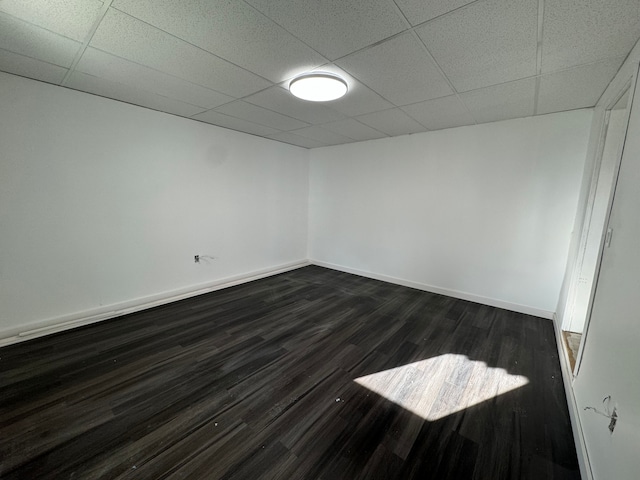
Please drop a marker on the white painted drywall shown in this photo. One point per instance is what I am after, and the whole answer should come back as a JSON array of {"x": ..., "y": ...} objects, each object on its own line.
[
  {"x": 103, "y": 203},
  {"x": 482, "y": 212}
]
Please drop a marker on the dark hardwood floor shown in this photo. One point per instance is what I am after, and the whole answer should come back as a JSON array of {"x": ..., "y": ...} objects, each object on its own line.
[{"x": 311, "y": 374}]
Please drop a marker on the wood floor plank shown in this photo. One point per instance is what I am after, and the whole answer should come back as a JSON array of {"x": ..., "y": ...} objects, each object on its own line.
[{"x": 310, "y": 374}]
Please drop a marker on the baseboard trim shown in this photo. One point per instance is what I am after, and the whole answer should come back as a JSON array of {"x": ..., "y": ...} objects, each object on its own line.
[
  {"x": 572, "y": 404},
  {"x": 514, "y": 307},
  {"x": 78, "y": 319}
]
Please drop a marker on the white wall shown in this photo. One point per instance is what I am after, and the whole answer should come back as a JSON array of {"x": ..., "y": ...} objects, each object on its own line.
[
  {"x": 482, "y": 212},
  {"x": 105, "y": 204}
]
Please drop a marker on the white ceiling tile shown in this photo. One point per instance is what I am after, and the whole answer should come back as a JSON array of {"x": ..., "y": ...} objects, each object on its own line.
[
  {"x": 35, "y": 42},
  {"x": 69, "y": 18},
  {"x": 578, "y": 87},
  {"x": 103, "y": 65},
  {"x": 280, "y": 100},
  {"x": 445, "y": 112},
  {"x": 335, "y": 27},
  {"x": 352, "y": 128},
  {"x": 485, "y": 43},
  {"x": 221, "y": 26},
  {"x": 501, "y": 102},
  {"x": 231, "y": 60},
  {"x": 419, "y": 11},
  {"x": 134, "y": 40},
  {"x": 360, "y": 100},
  {"x": 255, "y": 114},
  {"x": 581, "y": 31},
  {"x": 323, "y": 136},
  {"x": 125, "y": 93},
  {"x": 234, "y": 123},
  {"x": 392, "y": 122},
  {"x": 399, "y": 69},
  {"x": 31, "y": 68},
  {"x": 294, "y": 139}
]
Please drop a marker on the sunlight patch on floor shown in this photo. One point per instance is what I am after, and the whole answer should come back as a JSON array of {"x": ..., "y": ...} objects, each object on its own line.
[{"x": 440, "y": 386}]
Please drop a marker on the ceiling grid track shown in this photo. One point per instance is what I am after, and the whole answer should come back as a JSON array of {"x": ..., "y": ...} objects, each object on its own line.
[
  {"x": 409, "y": 30},
  {"x": 286, "y": 30},
  {"x": 431, "y": 57},
  {"x": 189, "y": 43},
  {"x": 539, "y": 55},
  {"x": 453, "y": 88},
  {"x": 87, "y": 40},
  {"x": 230, "y": 63}
]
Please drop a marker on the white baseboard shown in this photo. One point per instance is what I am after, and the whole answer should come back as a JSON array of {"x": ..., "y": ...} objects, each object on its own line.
[
  {"x": 77, "y": 319},
  {"x": 514, "y": 307},
  {"x": 574, "y": 415}
]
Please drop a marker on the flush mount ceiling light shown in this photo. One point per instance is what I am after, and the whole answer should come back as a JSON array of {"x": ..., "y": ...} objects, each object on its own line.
[{"x": 318, "y": 86}]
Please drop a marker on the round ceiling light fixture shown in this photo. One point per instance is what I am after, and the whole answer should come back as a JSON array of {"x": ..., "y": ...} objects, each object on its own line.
[{"x": 318, "y": 86}]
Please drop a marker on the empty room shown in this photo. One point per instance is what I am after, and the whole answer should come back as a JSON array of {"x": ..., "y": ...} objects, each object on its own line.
[{"x": 319, "y": 239}]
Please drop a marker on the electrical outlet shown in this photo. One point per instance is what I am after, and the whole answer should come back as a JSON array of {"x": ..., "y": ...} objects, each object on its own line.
[{"x": 196, "y": 258}]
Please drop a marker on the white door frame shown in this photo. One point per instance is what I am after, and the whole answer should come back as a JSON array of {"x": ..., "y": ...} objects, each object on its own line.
[
  {"x": 607, "y": 103},
  {"x": 598, "y": 189}
]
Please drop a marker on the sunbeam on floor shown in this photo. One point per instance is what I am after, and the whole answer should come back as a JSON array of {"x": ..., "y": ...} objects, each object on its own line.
[{"x": 437, "y": 387}]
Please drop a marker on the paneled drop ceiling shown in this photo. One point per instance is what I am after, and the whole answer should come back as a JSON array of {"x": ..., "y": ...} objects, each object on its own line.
[{"x": 411, "y": 65}]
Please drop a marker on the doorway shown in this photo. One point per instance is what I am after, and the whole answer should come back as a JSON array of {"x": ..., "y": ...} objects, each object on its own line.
[{"x": 595, "y": 219}]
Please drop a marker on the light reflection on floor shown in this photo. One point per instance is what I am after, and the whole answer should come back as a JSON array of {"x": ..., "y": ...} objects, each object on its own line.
[{"x": 443, "y": 385}]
